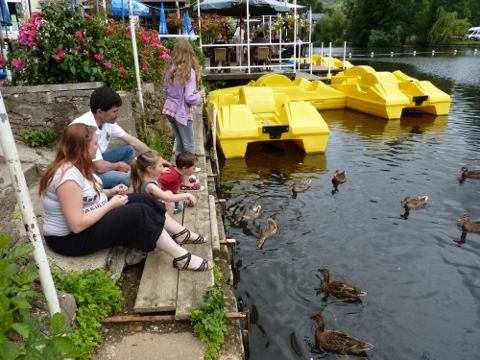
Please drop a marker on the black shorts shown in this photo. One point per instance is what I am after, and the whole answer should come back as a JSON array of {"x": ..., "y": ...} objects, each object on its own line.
[{"x": 137, "y": 225}]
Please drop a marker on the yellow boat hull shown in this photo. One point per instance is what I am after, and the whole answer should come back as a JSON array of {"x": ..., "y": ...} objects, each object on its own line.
[
  {"x": 317, "y": 93},
  {"x": 386, "y": 94},
  {"x": 259, "y": 114}
]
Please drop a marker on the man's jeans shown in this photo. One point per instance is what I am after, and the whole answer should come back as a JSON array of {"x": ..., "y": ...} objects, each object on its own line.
[
  {"x": 183, "y": 135},
  {"x": 125, "y": 153}
]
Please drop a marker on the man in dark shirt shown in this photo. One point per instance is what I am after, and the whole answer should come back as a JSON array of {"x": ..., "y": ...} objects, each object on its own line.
[{"x": 262, "y": 40}]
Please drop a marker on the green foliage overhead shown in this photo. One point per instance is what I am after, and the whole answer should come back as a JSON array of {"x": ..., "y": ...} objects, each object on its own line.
[{"x": 331, "y": 27}]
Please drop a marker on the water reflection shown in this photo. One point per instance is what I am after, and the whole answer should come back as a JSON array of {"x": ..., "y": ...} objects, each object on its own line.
[{"x": 421, "y": 275}]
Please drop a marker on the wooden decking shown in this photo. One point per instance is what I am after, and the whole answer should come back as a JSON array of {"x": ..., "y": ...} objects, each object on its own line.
[
  {"x": 164, "y": 288},
  {"x": 238, "y": 73}
]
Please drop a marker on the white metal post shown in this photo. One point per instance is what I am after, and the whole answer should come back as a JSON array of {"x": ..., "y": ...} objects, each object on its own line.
[
  {"x": 329, "y": 59},
  {"x": 310, "y": 45},
  {"x": 135, "y": 53},
  {"x": 26, "y": 209}
]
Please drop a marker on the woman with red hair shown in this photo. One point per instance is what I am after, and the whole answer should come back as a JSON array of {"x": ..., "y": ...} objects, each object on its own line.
[{"x": 81, "y": 217}]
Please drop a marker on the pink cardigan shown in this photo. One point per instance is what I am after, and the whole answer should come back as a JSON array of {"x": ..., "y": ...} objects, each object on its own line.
[{"x": 180, "y": 96}]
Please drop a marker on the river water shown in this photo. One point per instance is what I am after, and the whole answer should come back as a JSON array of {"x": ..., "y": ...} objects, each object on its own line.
[{"x": 422, "y": 280}]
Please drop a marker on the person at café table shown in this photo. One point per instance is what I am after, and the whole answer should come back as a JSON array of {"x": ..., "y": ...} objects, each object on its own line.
[{"x": 259, "y": 39}]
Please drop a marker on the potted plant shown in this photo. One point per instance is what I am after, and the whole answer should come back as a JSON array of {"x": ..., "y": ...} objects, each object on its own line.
[{"x": 174, "y": 22}]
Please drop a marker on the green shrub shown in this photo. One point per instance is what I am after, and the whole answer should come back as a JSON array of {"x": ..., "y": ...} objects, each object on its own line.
[
  {"x": 16, "y": 278},
  {"x": 45, "y": 137},
  {"x": 97, "y": 296},
  {"x": 210, "y": 317},
  {"x": 60, "y": 46}
]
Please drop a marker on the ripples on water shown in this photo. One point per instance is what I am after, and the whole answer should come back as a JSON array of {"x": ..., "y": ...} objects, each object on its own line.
[{"x": 423, "y": 286}]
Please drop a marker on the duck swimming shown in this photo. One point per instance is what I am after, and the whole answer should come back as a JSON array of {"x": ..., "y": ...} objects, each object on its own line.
[
  {"x": 339, "y": 289},
  {"x": 339, "y": 177},
  {"x": 269, "y": 229},
  {"x": 301, "y": 186},
  {"x": 472, "y": 174},
  {"x": 338, "y": 341},
  {"x": 418, "y": 202},
  {"x": 472, "y": 226},
  {"x": 252, "y": 214}
]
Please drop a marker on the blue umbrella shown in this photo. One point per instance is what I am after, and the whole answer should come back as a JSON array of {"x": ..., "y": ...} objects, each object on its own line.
[
  {"x": 187, "y": 25},
  {"x": 138, "y": 8},
  {"x": 162, "y": 29},
  {"x": 5, "y": 18}
]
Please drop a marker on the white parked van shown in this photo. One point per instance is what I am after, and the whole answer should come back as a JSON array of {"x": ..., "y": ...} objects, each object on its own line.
[{"x": 472, "y": 33}]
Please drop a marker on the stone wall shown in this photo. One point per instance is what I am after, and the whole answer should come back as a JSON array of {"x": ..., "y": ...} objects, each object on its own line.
[{"x": 55, "y": 106}]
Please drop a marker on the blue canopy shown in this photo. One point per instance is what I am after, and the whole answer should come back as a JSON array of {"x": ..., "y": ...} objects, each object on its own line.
[
  {"x": 162, "y": 29},
  {"x": 5, "y": 18},
  {"x": 138, "y": 8},
  {"x": 187, "y": 25},
  {"x": 239, "y": 7}
]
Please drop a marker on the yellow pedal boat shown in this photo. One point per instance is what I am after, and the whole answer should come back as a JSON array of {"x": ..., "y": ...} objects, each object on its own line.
[
  {"x": 317, "y": 93},
  {"x": 328, "y": 61},
  {"x": 387, "y": 94},
  {"x": 255, "y": 114}
]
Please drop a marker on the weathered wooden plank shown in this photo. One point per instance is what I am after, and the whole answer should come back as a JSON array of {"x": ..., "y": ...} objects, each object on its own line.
[
  {"x": 158, "y": 287},
  {"x": 192, "y": 285}
]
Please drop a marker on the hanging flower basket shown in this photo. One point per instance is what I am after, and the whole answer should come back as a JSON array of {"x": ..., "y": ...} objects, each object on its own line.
[{"x": 174, "y": 22}]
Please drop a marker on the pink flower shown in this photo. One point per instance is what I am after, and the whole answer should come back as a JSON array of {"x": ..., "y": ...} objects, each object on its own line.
[
  {"x": 60, "y": 55},
  {"x": 78, "y": 47},
  {"x": 79, "y": 34},
  {"x": 123, "y": 71},
  {"x": 127, "y": 28},
  {"x": 108, "y": 66},
  {"x": 98, "y": 57},
  {"x": 2, "y": 61},
  {"x": 17, "y": 64},
  {"x": 2, "y": 83},
  {"x": 109, "y": 31}
]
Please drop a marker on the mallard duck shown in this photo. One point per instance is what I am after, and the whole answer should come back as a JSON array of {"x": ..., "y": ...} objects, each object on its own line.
[
  {"x": 252, "y": 214},
  {"x": 339, "y": 289},
  {"x": 472, "y": 226},
  {"x": 419, "y": 202},
  {"x": 338, "y": 341},
  {"x": 339, "y": 177},
  {"x": 269, "y": 229},
  {"x": 472, "y": 174},
  {"x": 301, "y": 185}
]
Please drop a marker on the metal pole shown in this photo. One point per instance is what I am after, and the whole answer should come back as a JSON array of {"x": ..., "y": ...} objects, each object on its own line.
[
  {"x": 310, "y": 45},
  {"x": 248, "y": 36},
  {"x": 199, "y": 25},
  {"x": 329, "y": 59},
  {"x": 26, "y": 209},
  {"x": 135, "y": 53}
]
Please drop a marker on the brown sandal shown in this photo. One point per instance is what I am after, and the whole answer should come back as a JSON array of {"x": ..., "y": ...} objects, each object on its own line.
[{"x": 199, "y": 240}]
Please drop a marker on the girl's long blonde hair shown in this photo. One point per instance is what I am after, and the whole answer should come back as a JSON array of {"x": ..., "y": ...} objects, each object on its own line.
[
  {"x": 182, "y": 60},
  {"x": 72, "y": 149},
  {"x": 139, "y": 166}
]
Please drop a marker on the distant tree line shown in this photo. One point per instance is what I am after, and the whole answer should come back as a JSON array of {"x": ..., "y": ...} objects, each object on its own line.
[{"x": 394, "y": 22}]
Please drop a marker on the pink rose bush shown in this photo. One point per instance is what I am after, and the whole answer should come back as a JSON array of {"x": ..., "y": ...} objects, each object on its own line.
[{"x": 59, "y": 46}]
